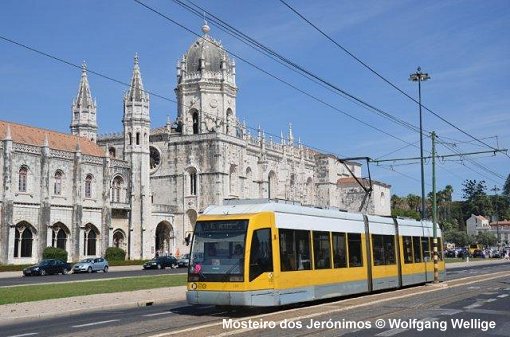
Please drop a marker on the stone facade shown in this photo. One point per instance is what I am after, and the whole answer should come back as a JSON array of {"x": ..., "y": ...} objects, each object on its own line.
[{"x": 149, "y": 185}]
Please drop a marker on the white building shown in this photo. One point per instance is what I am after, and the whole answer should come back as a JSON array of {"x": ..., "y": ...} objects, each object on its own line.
[
  {"x": 141, "y": 189},
  {"x": 476, "y": 223}
]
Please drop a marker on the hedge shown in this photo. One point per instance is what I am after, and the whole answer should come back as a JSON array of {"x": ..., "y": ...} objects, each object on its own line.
[
  {"x": 55, "y": 253},
  {"x": 115, "y": 254}
]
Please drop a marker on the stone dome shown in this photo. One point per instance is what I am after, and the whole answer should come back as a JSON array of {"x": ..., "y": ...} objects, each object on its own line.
[{"x": 209, "y": 49}]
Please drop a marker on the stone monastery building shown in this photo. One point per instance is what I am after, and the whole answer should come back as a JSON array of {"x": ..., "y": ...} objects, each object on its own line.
[{"x": 142, "y": 189}]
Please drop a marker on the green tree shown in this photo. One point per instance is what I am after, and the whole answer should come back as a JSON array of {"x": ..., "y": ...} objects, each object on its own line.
[
  {"x": 486, "y": 238},
  {"x": 459, "y": 238},
  {"x": 506, "y": 187},
  {"x": 477, "y": 201}
]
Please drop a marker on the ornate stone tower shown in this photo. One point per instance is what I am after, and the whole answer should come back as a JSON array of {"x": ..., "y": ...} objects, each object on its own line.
[
  {"x": 136, "y": 151},
  {"x": 206, "y": 90},
  {"x": 83, "y": 122}
]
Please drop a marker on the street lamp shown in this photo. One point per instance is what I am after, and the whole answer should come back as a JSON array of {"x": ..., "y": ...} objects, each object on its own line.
[{"x": 419, "y": 77}]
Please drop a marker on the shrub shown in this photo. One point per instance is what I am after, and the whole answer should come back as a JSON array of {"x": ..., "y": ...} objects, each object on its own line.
[
  {"x": 55, "y": 253},
  {"x": 115, "y": 254}
]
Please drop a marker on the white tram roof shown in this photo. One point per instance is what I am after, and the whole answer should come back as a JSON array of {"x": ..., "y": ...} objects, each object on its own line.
[
  {"x": 293, "y": 216},
  {"x": 277, "y": 206}
]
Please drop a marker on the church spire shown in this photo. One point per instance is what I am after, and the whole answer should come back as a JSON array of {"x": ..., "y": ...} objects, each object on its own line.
[
  {"x": 84, "y": 123},
  {"x": 136, "y": 92}
]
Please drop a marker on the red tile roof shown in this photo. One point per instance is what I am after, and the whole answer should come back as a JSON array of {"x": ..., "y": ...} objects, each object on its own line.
[{"x": 24, "y": 134}]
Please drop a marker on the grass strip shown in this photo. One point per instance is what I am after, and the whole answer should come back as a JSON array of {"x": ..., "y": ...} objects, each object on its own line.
[{"x": 61, "y": 290}]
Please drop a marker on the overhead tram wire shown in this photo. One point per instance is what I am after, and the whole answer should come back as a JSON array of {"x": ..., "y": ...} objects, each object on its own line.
[
  {"x": 256, "y": 45},
  {"x": 222, "y": 25},
  {"x": 61, "y": 60},
  {"x": 383, "y": 78},
  {"x": 89, "y": 70},
  {"x": 274, "y": 76}
]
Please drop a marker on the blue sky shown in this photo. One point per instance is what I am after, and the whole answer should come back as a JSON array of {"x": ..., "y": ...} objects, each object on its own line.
[{"x": 463, "y": 45}]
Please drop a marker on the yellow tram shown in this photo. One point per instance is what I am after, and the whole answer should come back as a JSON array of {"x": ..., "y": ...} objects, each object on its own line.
[{"x": 261, "y": 253}]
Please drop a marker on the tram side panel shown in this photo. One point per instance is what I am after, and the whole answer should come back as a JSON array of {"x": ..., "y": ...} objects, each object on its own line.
[
  {"x": 383, "y": 250},
  {"x": 313, "y": 260}
]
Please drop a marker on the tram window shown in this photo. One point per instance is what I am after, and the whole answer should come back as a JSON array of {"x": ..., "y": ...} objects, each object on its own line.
[
  {"x": 294, "y": 250},
  {"x": 417, "y": 249},
  {"x": 355, "y": 256},
  {"x": 339, "y": 250},
  {"x": 383, "y": 249},
  {"x": 321, "y": 250},
  {"x": 261, "y": 256},
  {"x": 425, "y": 249},
  {"x": 408, "y": 249}
]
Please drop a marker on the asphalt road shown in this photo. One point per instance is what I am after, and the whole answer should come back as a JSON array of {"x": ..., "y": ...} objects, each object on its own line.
[
  {"x": 23, "y": 280},
  {"x": 472, "y": 294}
]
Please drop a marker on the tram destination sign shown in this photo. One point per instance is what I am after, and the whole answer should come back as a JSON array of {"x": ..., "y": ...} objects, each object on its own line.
[{"x": 223, "y": 226}]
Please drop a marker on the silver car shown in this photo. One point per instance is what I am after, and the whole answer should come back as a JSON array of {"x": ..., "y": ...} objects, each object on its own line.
[{"x": 90, "y": 265}]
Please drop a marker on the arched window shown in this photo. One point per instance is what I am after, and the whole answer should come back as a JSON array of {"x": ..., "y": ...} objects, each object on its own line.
[
  {"x": 232, "y": 180},
  {"x": 230, "y": 121},
  {"x": 138, "y": 138},
  {"x": 271, "y": 185},
  {"x": 195, "y": 122},
  {"x": 90, "y": 238},
  {"x": 192, "y": 173},
  {"x": 117, "y": 189},
  {"x": 130, "y": 138},
  {"x": 57, "y": 187},
  {"x": 23, "y": 238},
  {"x": 22, "y": 179},
  {"x": 88, "y": 186},
  {"x": 247, "y": 186},
  {"x": 59, "y": 236},
  {"x": 118, "y": 238},
  {"x": 309, "y": 192},
  {"x": 112, "y": 152}
]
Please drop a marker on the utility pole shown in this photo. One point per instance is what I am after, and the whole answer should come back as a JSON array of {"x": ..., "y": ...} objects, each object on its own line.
[
  {"x": 434, "y": 209},
  {"x": 495, "y": 189},
  {"x": 419, "y": 77}
]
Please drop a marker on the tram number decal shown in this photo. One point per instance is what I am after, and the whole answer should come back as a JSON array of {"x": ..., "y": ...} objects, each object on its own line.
[{"x": 199, "y": 286}]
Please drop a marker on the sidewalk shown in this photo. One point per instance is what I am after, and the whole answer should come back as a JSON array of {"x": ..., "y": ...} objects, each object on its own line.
[{"x": 471, "y": 263}]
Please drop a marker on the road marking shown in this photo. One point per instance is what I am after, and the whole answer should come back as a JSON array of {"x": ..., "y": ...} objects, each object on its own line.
[
  {"x": 25, "y": 334},
  {"x": 472, "y": 306},
  {"x": 448, "y": 312},
  {"x": 391, "y": 332},
  {"x": 473, "y": 287},
  {"x": 461, "y": 282},
  {"x": 158, "y": 314},
  {"x": 502, "y": 295},
  {"x": 490, "y": 300},
  {"x": 95, "y": 323}
]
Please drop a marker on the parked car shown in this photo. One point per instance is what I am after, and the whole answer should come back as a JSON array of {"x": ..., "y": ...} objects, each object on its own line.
[
  {"x": 91, "y": 265},
  {"x": 161, "y": 263},
  {"x": 496, "y": 254},
  {"x": 450, "y": 253},
  {"x": 47, "y": 267},
  {"x": 183, "y": 261},
  {"x": 478, "y": 253}
]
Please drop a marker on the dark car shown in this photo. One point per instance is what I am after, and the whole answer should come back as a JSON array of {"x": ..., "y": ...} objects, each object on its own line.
[
  {"x": 161, "y": 263},
  {"x": 478, "y": 253},
  {"x": 450, "y": 253},
  {"x": 47, "y": 267}
]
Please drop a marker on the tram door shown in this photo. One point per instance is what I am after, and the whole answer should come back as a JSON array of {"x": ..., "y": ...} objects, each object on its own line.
[{"x": 261, "y": 260}]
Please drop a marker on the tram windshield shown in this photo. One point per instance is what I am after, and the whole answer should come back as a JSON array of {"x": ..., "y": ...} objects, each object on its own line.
[{"x": 217, "y": 252}]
